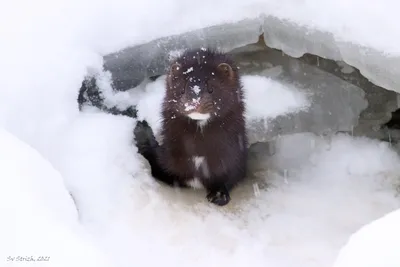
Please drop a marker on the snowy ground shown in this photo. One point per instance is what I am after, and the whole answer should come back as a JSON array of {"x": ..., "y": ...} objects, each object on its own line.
[{"x": 298, "y": 208}]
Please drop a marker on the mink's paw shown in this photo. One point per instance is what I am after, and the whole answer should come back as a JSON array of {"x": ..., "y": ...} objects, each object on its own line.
[{"x": 220, "y": 198}]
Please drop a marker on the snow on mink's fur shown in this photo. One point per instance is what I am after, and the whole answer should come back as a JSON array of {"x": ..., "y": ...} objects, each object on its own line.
[{"x": 203, "y": 126}]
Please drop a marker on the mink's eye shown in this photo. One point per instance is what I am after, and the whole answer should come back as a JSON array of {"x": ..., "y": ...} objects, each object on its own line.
[
  {"x": 209, "y": 87},
  {"x": 183, "y": 89}
]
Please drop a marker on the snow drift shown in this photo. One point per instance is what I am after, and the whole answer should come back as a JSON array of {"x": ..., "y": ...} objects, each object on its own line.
[
  {"x": 40, "y": 221},
  {"x": 375, "y": 244}
]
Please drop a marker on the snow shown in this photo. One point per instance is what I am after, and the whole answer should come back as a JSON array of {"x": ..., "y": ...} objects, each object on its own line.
[
  {"x": 313, "y": 196},
  {"x": 264, "y": 98},
  {"x": 39, "y": 217},
  {"x": 375, "y": 244}
]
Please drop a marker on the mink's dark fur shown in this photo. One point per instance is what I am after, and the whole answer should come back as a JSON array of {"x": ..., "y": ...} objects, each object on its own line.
[
  {"x": 90, "y": 94},
  {"x": 213, "y": 147}
]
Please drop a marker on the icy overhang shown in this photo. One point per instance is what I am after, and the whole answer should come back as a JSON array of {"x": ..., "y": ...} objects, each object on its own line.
[{"x": 130, "y": 65}]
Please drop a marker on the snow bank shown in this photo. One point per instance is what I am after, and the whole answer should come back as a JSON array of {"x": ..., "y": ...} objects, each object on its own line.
[
  {"x": 375, "y": 244},
  {"x": 39, "y": 218},
  {"x": 94, "y": 140}
]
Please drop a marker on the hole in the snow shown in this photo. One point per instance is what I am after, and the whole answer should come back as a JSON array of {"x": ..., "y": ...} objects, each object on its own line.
[
  {"x": 394, "y": 122},
  {"x": 257, "y": 58}
]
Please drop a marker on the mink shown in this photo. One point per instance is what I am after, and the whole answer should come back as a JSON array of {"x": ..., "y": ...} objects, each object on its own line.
[{"x": 203, "y": 126}]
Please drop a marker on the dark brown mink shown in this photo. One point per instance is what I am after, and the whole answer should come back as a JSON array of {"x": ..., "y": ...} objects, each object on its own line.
[{"x": 203, "y": 126}]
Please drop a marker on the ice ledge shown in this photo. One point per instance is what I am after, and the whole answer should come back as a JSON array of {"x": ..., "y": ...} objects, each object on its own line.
[
  {"x": 296, "y": 40},
  {"x": 129, "y": 66}
]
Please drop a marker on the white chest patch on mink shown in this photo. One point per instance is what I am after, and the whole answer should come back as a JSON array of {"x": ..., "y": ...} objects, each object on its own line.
[
  {"x": 201, "y": 165},
  {"x": 195, "y": 183},
  {"x": 197, "y": 161}
]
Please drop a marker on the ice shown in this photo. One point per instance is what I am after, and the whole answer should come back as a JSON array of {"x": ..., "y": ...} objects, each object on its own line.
[
  {"x": 292, "y": 26},
  {"x": 374, "y": 245},
  {"x": 117, "y": 213},
  {"x": 375, "y": 64},
  {"x": 333, "y": 105},
  {"x": 131, "y": 65}
]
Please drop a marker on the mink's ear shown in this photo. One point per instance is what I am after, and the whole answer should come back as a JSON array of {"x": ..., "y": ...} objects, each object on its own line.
[
  {"x": 174, "y": 72},
  {"x": 175, "y": 69},
  {"x": 225, "y": 69}
]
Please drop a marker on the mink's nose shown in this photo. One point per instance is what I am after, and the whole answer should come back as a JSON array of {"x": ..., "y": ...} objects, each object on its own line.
[{"x": 199, "y": 109}]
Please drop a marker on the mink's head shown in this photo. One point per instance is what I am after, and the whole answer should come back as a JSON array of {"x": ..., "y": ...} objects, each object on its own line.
[{"x": 203, "y": 85}]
